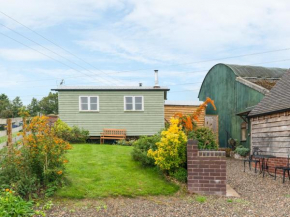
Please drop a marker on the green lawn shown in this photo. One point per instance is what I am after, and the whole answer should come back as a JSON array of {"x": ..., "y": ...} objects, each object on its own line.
[
  {"x": 4, "y": 138},
  {"x": 108, "y": 170}
]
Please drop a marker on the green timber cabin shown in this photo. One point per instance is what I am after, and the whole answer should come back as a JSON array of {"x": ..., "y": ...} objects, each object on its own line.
[
  {"x": 236, "y": 89},
  {"x": 138, "y": 109}
]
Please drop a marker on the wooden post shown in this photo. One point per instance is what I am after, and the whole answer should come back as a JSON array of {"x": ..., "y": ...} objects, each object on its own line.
[
  {"x": 24, "y": 126},
  {"x": 9, "y": 132}
]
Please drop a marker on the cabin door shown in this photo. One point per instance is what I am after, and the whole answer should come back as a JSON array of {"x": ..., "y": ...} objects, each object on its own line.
[{"x": 212, "y": 122}]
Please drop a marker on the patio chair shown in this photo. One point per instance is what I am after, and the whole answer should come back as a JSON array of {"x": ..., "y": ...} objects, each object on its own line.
[
  {"x": 251, "y": 159},
  {"x": 286, "y": 168}
]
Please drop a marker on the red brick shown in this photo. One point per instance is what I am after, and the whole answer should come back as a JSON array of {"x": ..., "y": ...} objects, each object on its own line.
[{"x": 204, "y": 181}]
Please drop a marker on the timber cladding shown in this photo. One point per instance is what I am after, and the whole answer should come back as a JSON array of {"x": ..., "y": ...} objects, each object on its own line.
[
  {"x": 271, "y": 133},
  {"x": 171, "y": 110}
]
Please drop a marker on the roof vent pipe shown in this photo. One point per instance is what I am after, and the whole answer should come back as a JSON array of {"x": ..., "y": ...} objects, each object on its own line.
[{"x": 156, "y": 79}]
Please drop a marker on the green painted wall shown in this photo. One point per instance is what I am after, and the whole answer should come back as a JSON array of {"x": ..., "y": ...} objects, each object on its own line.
[
  {"x": 112, "y": 114},
  {"x": 231, "y": 97}
]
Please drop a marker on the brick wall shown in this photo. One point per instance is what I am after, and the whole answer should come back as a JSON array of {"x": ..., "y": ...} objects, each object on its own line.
[
  {"x": 272, "y": 163},
  {"x": 206, "y": 170}
]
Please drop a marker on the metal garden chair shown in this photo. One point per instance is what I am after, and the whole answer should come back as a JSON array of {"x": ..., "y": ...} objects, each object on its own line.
[
  {"x": 285, "y": 169},
  {"x": 252, "y": 160}
]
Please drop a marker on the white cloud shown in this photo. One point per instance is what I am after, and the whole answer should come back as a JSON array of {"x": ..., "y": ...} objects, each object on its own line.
[
  {"x": 42, "y": 13},
  {"x": 21, "y": 55},
  {"x": 181, "y": 31},
  {"x": 9, "y": 79},
  {"x": 130, "y": 34}
]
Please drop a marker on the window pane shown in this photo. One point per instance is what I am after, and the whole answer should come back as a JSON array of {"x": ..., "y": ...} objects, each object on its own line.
[
  {"x": 84, "y": 99},
  {"x": 84, "y": 107},
  {"x": 94, "y": 107},
  {"x": 244, "y": 135},
  {"x": 138, "y": 106},
  {"x": 129, "y": 100},
  {"x": 129, "y": 106},
  {"x": 94, "y": 99},
  {"x": 138, "y": 99}
]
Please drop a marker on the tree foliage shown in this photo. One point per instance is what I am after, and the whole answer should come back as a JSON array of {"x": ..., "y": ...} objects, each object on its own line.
[
  {"x": 5, "y": 107},
  {"x": 33, "y": 107},
  {"x": 49, "y": 104},
  {"x": 16, "y": 106}
]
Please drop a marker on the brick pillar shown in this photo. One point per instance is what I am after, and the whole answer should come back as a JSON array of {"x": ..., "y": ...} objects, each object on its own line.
[{"x": 206, "y": 170}]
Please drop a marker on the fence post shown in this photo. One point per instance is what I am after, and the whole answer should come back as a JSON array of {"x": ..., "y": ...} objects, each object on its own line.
[
  {"x": 24, "y": 126},
  {"x": 9, "y": 132}
]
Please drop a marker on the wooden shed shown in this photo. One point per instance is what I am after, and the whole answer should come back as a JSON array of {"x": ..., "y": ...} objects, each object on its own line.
[
  {"x": 185, "y": 107},
  {"x": 270, "y": 122},
  {"x": 138, "y": 109},
  {"x": 234, "y": 89}
]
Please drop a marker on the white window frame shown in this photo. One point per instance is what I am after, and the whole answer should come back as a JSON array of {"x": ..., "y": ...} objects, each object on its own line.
[
  {"x": 89, "y": 104},
  {"x": 133, "y": 102}
]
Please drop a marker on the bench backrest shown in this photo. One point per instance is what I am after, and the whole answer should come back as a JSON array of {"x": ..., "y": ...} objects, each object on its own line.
[{"x": 114, "y": 132}]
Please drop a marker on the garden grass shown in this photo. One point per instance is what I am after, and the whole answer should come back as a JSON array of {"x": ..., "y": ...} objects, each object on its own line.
[
  {"x": 4, "y": 138},
  {"x": 97, "y": 171}
]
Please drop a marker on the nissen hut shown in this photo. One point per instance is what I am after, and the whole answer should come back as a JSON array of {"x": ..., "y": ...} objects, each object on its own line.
[{"x": 235, "y": 89}]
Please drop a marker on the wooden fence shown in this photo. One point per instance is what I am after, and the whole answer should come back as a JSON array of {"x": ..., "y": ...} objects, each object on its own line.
[{"x": 11, "y": 126}]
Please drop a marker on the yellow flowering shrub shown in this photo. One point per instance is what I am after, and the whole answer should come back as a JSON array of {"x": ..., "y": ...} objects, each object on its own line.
[{"x": 171, "y": 150}]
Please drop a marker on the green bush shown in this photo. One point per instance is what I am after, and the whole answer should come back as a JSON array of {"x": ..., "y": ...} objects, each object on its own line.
[
  {"x": 78, "y": 135},
  {"x": 205, "y": 137},
  {"x": 180, "y": 175},
  {"x": 141, "y": 147},
  {"x": 12, "y": 205},
  {"x": 71, "y": 134},
  {"x": 241, "y": 150},
  {"x": 124, "y": 142},
  {"x": 36, "y": 163}
]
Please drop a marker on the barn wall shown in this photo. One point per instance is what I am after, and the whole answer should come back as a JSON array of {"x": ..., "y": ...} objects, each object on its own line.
[
  {"x": 171, "y": 110},
  {"x": 230, "y": 97},
  {"x": 272, "y": 133},
  {"x": 245, "y": 97}
]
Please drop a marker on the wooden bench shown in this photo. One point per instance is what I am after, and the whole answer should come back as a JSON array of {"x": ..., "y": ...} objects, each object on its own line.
[{"x": 112, "y": 134}]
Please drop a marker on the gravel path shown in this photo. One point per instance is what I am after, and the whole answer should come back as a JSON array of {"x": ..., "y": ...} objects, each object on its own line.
[{"x": 259, "y": 197}]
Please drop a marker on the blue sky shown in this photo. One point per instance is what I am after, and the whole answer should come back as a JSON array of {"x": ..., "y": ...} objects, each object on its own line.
[{"x": 117, "y": 42}]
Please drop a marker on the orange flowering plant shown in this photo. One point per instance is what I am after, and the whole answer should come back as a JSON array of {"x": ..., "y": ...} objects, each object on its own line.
[
  {"x": 188, "y": 122},
  {"x": 38, "y": 160},
  {"x": 44, "y": 147}
]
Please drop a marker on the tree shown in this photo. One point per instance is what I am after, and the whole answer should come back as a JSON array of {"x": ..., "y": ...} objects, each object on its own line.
[
  {"x": 33, "y": 107},
  {"x": 16, "y": 105},
  {"x": 5, "y": 106},
  {"x": 49, "y": 104}
]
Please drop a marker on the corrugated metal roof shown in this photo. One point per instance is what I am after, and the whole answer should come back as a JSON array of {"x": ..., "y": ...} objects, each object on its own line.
[
  {"x": 255, "y": 74},
  {"x": 256, "y": 71},
  {"x": 109, "y": 88},
  {"x": 278, "y": 99},
  {"x": 171, "y": 102}
]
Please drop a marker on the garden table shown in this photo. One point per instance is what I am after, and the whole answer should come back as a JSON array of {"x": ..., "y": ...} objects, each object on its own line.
[{"x": 264, "y": 163}]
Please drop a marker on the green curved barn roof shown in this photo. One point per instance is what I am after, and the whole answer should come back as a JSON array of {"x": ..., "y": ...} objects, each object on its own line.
[
  {"x": 252, "y": 73},
  {"x": 256, "y": 71}
]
